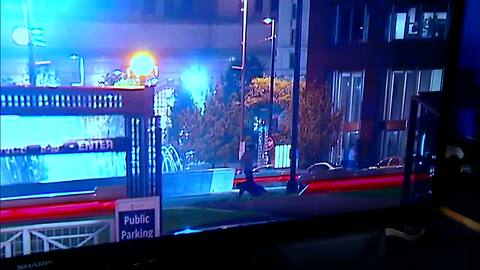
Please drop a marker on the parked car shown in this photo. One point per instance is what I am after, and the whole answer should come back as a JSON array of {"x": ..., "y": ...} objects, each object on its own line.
[
  {"x": 326, "y": 171},
  {"x": 322, "y": 170},
  {"x": 389, "y": 162}
]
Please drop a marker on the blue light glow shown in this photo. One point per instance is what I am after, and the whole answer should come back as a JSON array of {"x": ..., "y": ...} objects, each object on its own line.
[
  {"x": 61, "y": 167},
  {"x": 422, "y": 144},
  {"x": 36, "y": 31},
  {"x": 21, "y": 36},
  {"x": 196, "y": 80},
  {"x": 187, "y": 231},
  {"x": 117, "y": 72},
  {"x": 16, "y": 131},
  {"x": 267, "y": 21}
]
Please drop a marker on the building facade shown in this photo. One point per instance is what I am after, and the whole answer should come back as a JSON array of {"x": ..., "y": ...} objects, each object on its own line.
[
  {"x": 374, "y": 56},
  {"x": 285, "y": 59},
  {"x": 103, "y": 34}
]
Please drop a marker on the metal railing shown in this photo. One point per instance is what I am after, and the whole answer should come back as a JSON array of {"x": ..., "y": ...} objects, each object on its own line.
[{"x": 24, "y": 240}]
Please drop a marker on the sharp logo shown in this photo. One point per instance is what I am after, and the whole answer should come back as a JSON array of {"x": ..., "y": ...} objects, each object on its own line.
[{"x": 34, "y": 265}]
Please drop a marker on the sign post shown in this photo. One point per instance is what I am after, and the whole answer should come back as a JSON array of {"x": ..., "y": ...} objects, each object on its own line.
[{"x": 137, "y": 218}]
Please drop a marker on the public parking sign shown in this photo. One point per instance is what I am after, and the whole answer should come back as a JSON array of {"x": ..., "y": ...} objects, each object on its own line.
[{"x": 137, "y": 218}]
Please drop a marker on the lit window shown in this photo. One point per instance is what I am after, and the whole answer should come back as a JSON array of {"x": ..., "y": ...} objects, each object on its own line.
[
  {"x": 400, "y": 19},
  {"x": 409, "y": 24},
  {"x": 348, "y": 94},
  {"x": 434, "y": 24},
  {"x": 437, "y": 77}
]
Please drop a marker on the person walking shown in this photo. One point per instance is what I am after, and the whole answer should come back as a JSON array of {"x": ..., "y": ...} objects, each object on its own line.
[{"x": 249, "y": 185}]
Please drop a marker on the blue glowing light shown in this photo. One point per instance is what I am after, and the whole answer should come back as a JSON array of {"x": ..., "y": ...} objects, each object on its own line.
[
  {"x": 267, "y": 21},
  {"x": 16, "y": 131},
  {"x": 117, "y": 72},
  {"x": 187, "y": 231},
  {"x": 74, "y": 57},
  {"x": 21, "y": 36},
  {"x": 196, "y": 80},
  {"x": 36, "y": 31}
]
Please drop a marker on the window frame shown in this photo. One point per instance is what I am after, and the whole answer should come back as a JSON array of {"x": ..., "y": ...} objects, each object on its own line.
[
  {"x": 394, "y": 126},
  {"x": 351, "y": 129},
  {"x": 352, "y": 9},
  {"x": 420, "y": 11}
]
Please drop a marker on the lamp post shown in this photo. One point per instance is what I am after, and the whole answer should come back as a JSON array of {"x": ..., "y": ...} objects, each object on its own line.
[
  {"x": 271, "y": 22},
  {"x": 243, "y": 69},
  {"x": 292, "y": 186},
  {"x": 143, "y": 65},
  {"x": 31, "y": 61}
]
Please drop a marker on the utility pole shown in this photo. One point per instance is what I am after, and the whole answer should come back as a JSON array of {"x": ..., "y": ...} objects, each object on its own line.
[
  {"x": 241, "y": 149},
  {"x": 292, "y": 186},
  {"x": 31, "y": 59},
  {"x": 272, "y": 77}
]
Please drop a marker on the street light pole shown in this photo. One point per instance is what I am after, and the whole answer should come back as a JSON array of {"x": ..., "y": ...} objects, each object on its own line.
[
  {"x": 272, "y": 76},
  {"x": 241, "y": 149},
  {"x": 31, "y": 59},
  {"x": 31, "y": 64},
  {"x": 292, "y": 186}
]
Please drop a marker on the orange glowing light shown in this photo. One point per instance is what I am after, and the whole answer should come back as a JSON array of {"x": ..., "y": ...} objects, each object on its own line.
[{"x": 143, "y": 64}]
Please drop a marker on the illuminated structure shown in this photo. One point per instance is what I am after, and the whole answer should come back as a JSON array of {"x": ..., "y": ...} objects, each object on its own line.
[
  {"x": 285, "y": 42},
  {"x": 142, "y": 65},
  {"x": 54, "y": 135}
]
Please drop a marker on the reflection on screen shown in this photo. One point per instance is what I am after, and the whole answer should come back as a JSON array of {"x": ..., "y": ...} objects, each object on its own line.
[
  {"x": 61, "y": 167},
  {"x": 18, "y": 131},
  {"x": 45, "y": 131}
]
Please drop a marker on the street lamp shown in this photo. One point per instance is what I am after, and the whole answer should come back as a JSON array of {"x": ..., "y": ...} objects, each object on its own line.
[
  {"x": 31, "y": 61},
  {"x": 243, "y": 69},
  {"x": 143, "y": 65},
  {"x": 80, "y": 62},
  {"x": 271, "y": 22},
  {"x": 292, "y": 186}
]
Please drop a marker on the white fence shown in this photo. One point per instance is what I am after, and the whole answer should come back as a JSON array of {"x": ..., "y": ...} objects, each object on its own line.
[
  {"x": 282, "y": 156},
  {"x": 24, "y": 240}
]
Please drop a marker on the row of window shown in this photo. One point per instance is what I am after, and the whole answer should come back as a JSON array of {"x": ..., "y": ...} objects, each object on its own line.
[
  {"x": 404, "y": 23},
  {"x": 403, "y": 84},
  {"x": 347, "y": 96},
  {"x": 412, "y": 24}
]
